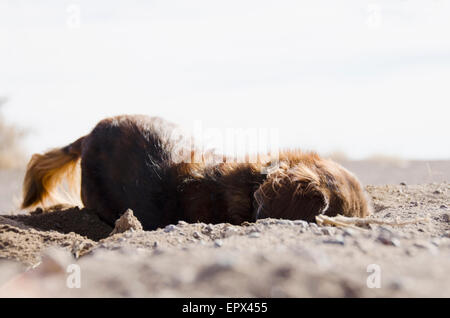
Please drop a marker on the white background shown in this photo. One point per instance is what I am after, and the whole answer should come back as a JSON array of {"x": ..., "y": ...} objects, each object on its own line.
[{"x": 362, "y": 77}]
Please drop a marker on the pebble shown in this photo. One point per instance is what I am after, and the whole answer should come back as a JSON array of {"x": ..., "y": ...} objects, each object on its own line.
[
  {"x": 446, "y": 218},
  {"x": 37, "y": 211},
  {"x": 388, "y": 241},
  {"x": 218, "y": 243},
  {"x": 338, "y": 239},
  {"x": 182, "y": 223},
  {"x": 349, "y": 232},
  {"x": 214, "y": 269},
  {"x": 285, "y": 222},
  {"x": 396, "y": 284},
  {"x": 254, "y": 235},
  {"x": 208, "y": 228},
  {"x": 126, "y": 222},
  {"x": 427, "y": 246},
  {"x": 196, "y": 235},
  {"x": 170, "y": 228},
  {"x": 314, "y": 226},
  {"x": 443, "y": 206},
  {"x": 387, "y": 238},
  {"x": 328, "y": 230},
  {"x": 435, "y": 241},
  {"x": 302, "y": 223},
  {"x": 265, "y": 222}
]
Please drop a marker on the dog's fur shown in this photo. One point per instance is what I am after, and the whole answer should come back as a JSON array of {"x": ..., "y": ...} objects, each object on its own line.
[{"x": 134, "y": 162}]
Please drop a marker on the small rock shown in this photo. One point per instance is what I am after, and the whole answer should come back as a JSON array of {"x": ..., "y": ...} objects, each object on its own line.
[
  {"x": 427, "y": 246},
  {"x": 349, "y": 232},
  {"x": 265, "y": 222},
  {"x": 435, "y": 241},
  {"x": 317, "y": 232},
  {"x": 196, "y": 235},
  {"x": 214, "y": 269},
  {"x": 126, "y": 222},
  {"x": 443, "y": 206},
  {"x": 182, "y": 223},
  {"x": 302, "y": 223},
  {"x": 313, "y": 226},
  {"x": 437, "y": 192},
  {"x": 386, "y": 237},
  {"x": 389, "y": 241},
  {"x": 396, "y": 284},
  {"x": 208, "y": 228},
  {"x": 338, "y": 239},
  {"x": 218, "y": 243},
  {"x": 403, "y": 183},
  {"x": 283, "y": 272},
  {"x": 285, "y": 222},
  {"x": 170, "y": 228},
  {"x": 254, "y": 235},
  {"x": 328, "y": 230},
  {"x": 37, "y": 211}
]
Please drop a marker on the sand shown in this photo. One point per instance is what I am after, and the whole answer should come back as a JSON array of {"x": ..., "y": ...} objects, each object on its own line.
[{"x": 269, "y": 258}]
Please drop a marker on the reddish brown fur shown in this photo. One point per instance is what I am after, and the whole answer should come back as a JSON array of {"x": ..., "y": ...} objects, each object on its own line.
[{"x": 130, "y": 162}]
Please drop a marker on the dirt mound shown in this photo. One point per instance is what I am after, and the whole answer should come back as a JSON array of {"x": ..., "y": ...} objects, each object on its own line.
[{"x": 81, "y": 221}]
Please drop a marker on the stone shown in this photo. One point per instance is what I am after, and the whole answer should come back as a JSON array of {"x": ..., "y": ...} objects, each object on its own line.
[
  {"x": 338, "y": 240},
  {"x": 170, "y": 228},
  {"x": 126, "y": 222}
]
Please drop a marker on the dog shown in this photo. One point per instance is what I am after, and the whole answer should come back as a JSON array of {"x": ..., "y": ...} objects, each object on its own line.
[{"x": 134, "y": 161}]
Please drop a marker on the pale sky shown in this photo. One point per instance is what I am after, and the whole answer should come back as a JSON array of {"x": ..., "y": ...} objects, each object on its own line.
[{"x": 362, "y": 77}]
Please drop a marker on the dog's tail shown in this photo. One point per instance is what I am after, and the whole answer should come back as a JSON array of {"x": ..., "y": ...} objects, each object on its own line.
[{"x": 46, "y": 171}]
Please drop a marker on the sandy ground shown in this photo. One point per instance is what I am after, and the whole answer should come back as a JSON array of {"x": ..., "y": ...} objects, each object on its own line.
[{"x": 269, "y": 258}]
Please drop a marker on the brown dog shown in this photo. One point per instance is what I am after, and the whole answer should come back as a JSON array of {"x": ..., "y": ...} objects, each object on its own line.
[{"x": 134, "y": 162}]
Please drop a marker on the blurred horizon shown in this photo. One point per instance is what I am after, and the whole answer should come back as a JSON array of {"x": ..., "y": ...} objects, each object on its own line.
[{"x": 361, "y": 78}]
